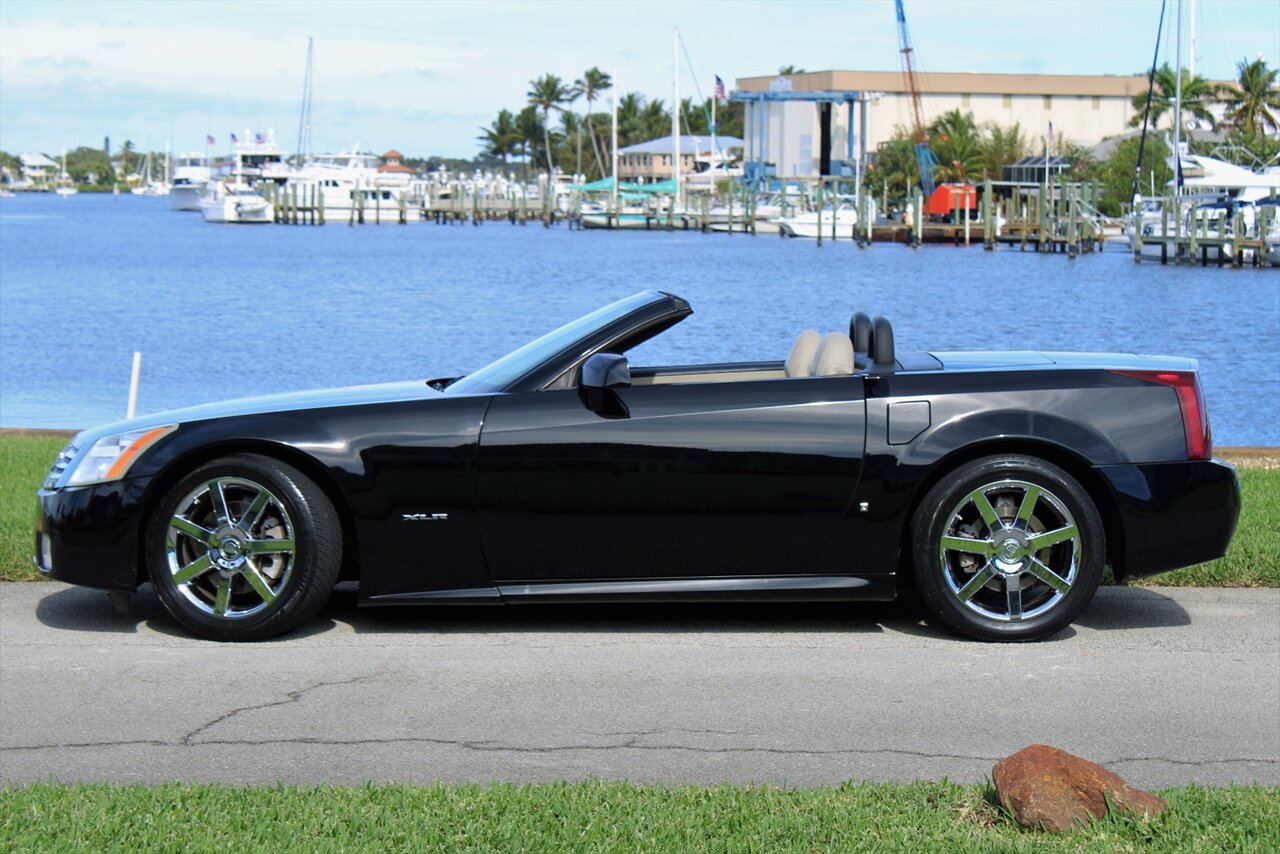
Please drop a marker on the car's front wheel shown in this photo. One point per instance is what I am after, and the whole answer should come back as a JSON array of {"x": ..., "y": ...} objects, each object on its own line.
[
  {"x": 1007, "y": 548},
  {"x": 243, "y": 548}
]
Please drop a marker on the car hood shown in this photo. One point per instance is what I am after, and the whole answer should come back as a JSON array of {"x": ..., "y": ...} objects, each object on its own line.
[{"x": 288, "y": 402}]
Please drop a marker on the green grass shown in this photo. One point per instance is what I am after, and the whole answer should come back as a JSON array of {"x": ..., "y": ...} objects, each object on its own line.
[
  {"x": 598, "y": 816},
  {"x": 24, "y": 461},
  {"x": 1253, "y": 561}
]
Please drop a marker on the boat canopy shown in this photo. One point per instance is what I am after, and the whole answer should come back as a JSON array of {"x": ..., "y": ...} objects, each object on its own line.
[{"x": 605, "y": 185}]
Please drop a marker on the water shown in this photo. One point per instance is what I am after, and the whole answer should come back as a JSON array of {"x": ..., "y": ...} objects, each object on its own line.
[{"x": 229, "y": 311}]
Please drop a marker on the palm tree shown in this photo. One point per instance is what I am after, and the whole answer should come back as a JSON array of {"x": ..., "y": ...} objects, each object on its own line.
[
  {"x": 1253, "y": 101},
  {"x": 1001, "y": 147},
  {"x": 591, "y": 84},
  {"x": 1197, "y": 95},
  {"x": 530, "y": 129},
  {"x": 787, "y": 70},
  {"x": 954, "y": 139},
  {"x": 501, "y": 138},
  {"x": 548, "y": 93}
]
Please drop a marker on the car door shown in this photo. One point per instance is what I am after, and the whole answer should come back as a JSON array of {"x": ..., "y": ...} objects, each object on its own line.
[{"x": 698, "y": 480}]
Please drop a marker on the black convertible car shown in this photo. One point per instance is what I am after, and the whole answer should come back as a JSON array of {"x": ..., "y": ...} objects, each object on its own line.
[{"x": 998, "y": 484}]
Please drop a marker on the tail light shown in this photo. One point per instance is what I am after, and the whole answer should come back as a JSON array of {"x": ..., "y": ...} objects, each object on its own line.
[{"x": 1195, "y": 417}]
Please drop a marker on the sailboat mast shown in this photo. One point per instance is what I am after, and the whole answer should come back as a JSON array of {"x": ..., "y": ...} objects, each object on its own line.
[
  {"x": 1191, "y": 65},
  {"x": 1177, "y": 107},
  {"x": 304, "y": 117},
  {"x": 675, "y": 113}
]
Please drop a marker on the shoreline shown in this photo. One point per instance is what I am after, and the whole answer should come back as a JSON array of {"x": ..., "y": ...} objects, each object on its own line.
[{"x": 1244, "y": 456}]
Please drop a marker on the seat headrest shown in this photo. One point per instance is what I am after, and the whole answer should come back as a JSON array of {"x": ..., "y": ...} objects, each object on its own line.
[
  {"x": 860, "y": 332},
  {"x": 800, "y": 361},
  {"x": 882, "y": 342},
  {"x": 835, "y": 356}
]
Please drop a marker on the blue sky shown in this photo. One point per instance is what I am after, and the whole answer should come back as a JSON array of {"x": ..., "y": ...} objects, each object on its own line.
[{"x": 423, "y": 77}]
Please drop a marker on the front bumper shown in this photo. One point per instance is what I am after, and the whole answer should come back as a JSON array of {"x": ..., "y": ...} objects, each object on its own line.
[
  {"x": 90, "y": 535},
  {"x": 1172, "y": 514}
]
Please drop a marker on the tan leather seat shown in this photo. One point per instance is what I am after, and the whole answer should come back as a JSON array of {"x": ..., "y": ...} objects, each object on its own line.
[
  {"x": 834, "y": 357},
  {"x": 800, "y": 361}
]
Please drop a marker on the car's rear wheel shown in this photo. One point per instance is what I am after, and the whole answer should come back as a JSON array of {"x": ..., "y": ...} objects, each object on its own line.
[
  {"x": 1007, "y": 548},
  {"x": 243, "y": 548}
]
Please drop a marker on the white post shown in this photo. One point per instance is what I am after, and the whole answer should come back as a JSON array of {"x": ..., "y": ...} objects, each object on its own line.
[
  {"x": 133, "y": 384},
  {"x": 614, "y": 147}
]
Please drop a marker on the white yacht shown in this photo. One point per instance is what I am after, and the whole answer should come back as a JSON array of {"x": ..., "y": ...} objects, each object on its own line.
[
  {"x": 191, "y": 174},
  {"x": 351, "y": 179}
]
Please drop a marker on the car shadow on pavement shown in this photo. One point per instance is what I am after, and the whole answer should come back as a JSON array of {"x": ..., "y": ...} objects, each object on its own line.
[
  {"x": 1132, "y": 608},
  {"x": 85, "y": 610}
]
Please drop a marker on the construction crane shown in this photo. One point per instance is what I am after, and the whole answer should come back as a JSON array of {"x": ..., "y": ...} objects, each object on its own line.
[{"x": 924, "y": 156}]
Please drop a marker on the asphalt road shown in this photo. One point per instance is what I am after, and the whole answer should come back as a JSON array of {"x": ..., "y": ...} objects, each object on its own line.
[{"x": 1165, "y": 686}]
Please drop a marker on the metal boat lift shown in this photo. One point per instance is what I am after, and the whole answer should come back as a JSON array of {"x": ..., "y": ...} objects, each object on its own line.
[{"x": 755, "y": 168}]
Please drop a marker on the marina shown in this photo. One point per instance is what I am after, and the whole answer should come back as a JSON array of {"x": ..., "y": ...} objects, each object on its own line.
[{"x": 294, "y": 308}]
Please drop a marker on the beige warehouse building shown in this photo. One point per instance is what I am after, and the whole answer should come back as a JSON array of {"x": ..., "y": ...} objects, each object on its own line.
[{"x": 1084, "y": 109}]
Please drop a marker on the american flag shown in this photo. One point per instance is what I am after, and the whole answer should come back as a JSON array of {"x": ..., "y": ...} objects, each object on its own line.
[
  {"x": 720, "y": 96},
  {"x": 209, "y": 140},
  {"x": 234, "y": 140}
]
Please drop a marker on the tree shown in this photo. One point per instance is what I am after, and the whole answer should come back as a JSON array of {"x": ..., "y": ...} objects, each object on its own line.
[
  {"x": 591, "y": 84},
  {"x": 1117, "y": 175},
  {"x": 1253, "y": 101},
  {"x": 1000, "y": 147},
  {"x": 1197, "y": 95},
  {"x": 955, "y": 142},
  {"x": 502, "y": 138},
  {"x": 548, "y": 93},
  {"x": 530, "y": 128},
  {"x": 787, "y": 70},
  {"x": 895, "y": 169},
  {"x": 83, "y": 162}
]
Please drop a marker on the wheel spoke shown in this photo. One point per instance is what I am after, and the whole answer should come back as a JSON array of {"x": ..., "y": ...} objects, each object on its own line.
[
  {"x": 1013, "y": 595},
  {"x": 183, "y": 525},
  {"x": 224, "y": 597},
  {"x": 199, "y": 566},
  {"x": 258, "y": 583},
  {"x": 1028, "y": 507},
  {"x": 262, "y": 547},
  {"x": 254, "y": 514},
  {"x": 219, "y": 501},
  {"x": 1052, "y": 538},
  {"x": 988, "y": 513},
  {"x": 968, "y": 545},
  {"x": 975, "y": 584},
  {"x": 1048, "y": 576}
]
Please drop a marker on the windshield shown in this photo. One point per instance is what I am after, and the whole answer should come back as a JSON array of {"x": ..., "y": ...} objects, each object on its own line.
[{"x": 498, "y": 375}]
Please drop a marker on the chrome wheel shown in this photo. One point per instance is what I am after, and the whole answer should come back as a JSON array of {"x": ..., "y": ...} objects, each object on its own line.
[
  {"x": 230, "y": 547},
  {"x": 1010, "y": 550}
]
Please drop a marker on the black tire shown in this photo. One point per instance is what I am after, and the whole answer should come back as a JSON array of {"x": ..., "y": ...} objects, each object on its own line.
[
  {"x": 988, "y": 579},
  {"x": 244, "y": 572}
]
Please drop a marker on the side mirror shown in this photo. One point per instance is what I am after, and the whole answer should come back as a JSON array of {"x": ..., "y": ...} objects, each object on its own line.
[
  {"x": 606, "y": 370},
  {"x": 601, "y": 375}
]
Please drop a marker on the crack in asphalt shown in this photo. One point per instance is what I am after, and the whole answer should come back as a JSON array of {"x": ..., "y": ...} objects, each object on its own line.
[
  {"x": 486, "y": 745},
  {"x": 290, "y": 697}
]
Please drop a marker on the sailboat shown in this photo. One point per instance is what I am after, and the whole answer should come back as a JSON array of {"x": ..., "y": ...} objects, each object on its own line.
[
  {"x": 148, "y": 186},
  {"x": 65, "y": 186}
]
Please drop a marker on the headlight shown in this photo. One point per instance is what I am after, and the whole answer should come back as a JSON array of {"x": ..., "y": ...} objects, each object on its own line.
[{"x": 111, "y": 456}]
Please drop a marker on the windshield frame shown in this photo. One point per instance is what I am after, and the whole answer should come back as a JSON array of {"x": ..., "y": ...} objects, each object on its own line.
[{"x": 554, "y": 356}]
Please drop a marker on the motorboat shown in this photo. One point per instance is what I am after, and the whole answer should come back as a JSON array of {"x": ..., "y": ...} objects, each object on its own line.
[
  {"x": 235, "y": 202},
  {"x": 832, "y": 223}
]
